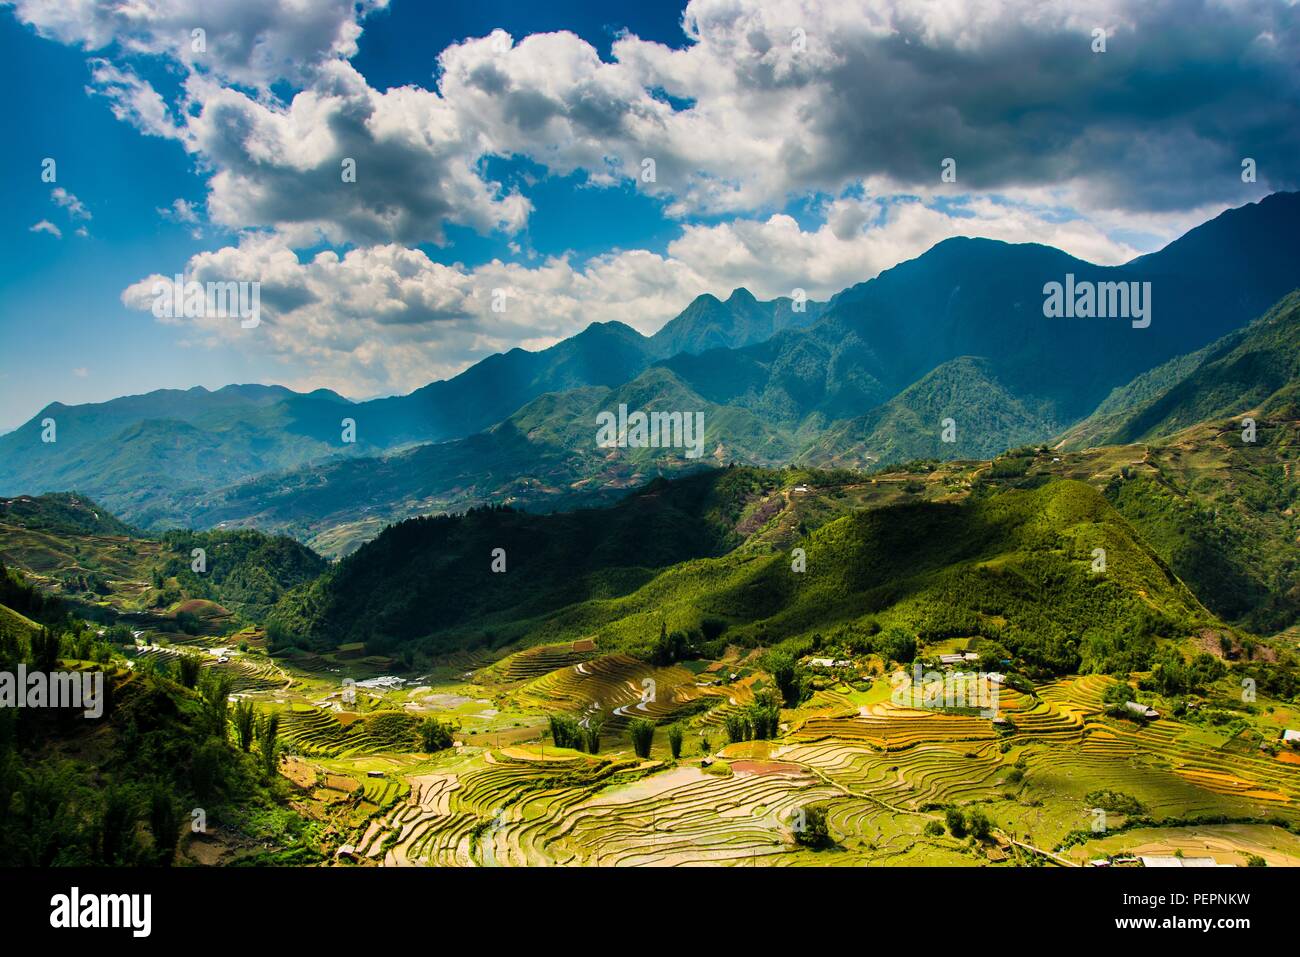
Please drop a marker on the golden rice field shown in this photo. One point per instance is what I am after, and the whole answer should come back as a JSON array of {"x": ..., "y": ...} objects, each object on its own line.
[{"x": 885, "y": 774}]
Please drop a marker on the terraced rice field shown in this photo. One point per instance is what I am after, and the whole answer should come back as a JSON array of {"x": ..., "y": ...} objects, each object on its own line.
[
  {"x": 307, "y": 662},
  {"x": 309, "y": 730},
  {"x": 892, "y": 728},
  {"x": 885, "y": 775},
  {"x": 619, "y": 687},
  {"x": 246, "y": 673},
  {"x": 1257, "y": 778},
  {"x": 590, "y": 812},
  {"x": 452, "y": 819},
  {"x": 535, "y": 662},
  {"x": 252, "y": 674}
]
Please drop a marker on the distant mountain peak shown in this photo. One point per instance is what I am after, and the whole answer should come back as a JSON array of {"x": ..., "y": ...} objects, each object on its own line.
[{"x": 742, "y": 320}]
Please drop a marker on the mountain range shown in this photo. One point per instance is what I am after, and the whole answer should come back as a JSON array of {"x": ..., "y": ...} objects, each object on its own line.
[{"x": 945, "y": 356}]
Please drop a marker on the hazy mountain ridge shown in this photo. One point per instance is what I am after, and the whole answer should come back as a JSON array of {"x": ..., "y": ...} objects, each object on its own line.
[
  {"x": 555, "y": 466},
  {"x": 709, "y": 323},
  {"x": 1255, "y": 369},
  {"x": 986, "y": 419},
  {"x": 148, "y": 455},
  {"x": 858, "y": 380},
  {"x": 985, "y": 298},
  {"x": 543, "y": 457}
]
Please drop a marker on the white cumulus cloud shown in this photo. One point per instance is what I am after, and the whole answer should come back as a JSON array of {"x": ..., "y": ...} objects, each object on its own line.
[{"x": 387, "y": 318}]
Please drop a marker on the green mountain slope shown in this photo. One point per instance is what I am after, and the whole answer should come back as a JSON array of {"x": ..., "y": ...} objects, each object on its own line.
[
  {"x": 117, "y": 788},
  {"x": 64, "y": 512},
  {"x": 245, "y": 571},
  {"x": 144, "y": 457},
  {"x": 15, "y": 629},
  {"x": 1117, "y": 407},
  {"x": 434, "y": 574},
  {"x": 986, "y": 417},
  {"x": 544, "y": 456},
  {"x": 1254, "y": 370},
  {"x": 1015, "y": 566},
  {"x": 72, "y": 549},
  {"x": 1223, "y": 515},
  {"x": 25, "y": 604}
]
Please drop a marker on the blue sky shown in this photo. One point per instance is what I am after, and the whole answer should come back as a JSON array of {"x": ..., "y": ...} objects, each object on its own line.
[
  {"x": 90, "y": 347},
  {"x": 796, "y": 149}
]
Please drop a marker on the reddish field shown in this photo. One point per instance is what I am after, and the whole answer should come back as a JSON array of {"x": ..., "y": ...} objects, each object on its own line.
[{"x": 766, "y": 767}]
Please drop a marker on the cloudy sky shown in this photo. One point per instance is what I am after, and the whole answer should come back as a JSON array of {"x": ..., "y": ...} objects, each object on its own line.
[{"x": 593, "y": 165}]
